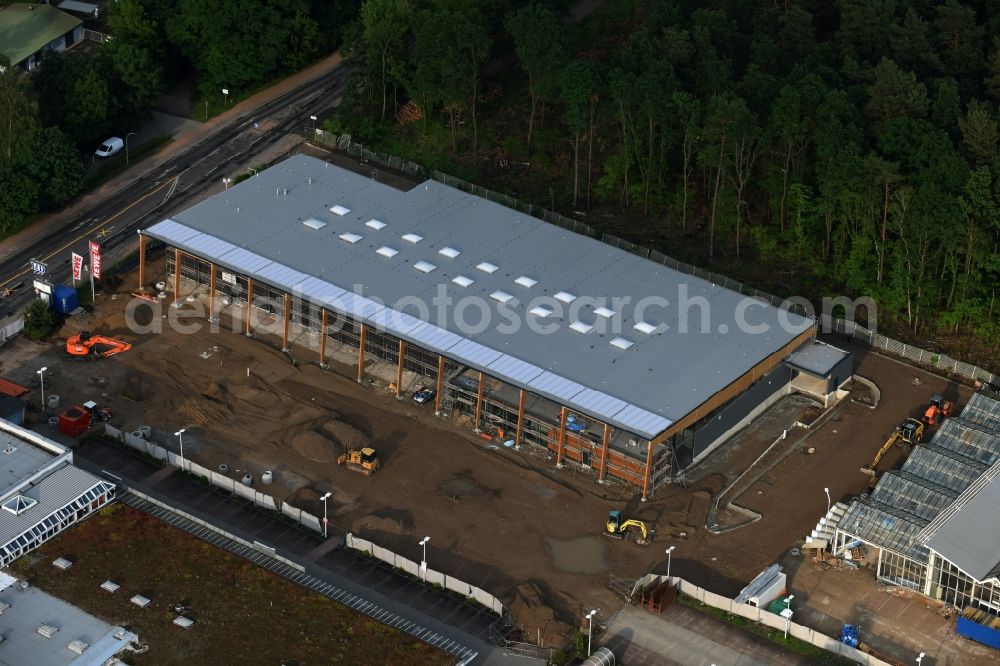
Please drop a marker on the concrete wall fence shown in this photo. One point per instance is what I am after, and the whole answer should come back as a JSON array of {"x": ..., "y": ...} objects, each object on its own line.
[
  {"x": 764, "y": 617},
  {"x": 430, "y": 576}
]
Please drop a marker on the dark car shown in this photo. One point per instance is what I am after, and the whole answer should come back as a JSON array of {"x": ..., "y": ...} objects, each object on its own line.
[{"x": 424, "y": 395}]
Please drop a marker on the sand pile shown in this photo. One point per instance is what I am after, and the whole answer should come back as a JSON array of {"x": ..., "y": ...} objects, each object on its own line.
[
  {"x": 347, "y": 435},
  {"x": 376, "y": 524},
  {"x": 541, "y": 610},
  {"x": 314, "y": 446}
]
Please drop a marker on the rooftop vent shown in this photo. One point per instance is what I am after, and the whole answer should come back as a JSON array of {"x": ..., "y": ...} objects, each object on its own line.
[
  {"x": 449, "y": 252},
  {"x": 9, "y": 449},
  {"x": 462, "y": 281},
  {"x": 350, "y": 238},
  {"x": 375, "y": 224},
  {"x": 387, "y": 252},
  {"x": 412, "y": 238},
  {"x": 621, "y": 343},
  {"x": 580, "y": 327},
  {"x": 604, "y": 312},
  {"x": 644, "y": 327},
  {"x": 340, "y": 210},
  {"x": 526, "y": 281},
  {"x": 501, "y": 296},
  {"x": 313, "y": 223},
  {"x": 565, "y": 297},
  {"x": 18, "y": 504},
  {"x": 78, "y": 646},
  {"x": 424, "y": 266},
  {"x": 487, "y": 267},
  {"x": 540, "y": 311},
  {"x": 48, "y": 631}
]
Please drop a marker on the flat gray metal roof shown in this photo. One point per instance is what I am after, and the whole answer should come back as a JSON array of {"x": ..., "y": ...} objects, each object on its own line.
[
  {"x": 257, "y": 228},
  {"x": 18, "y": 460},
  {"x": 817, "y": 358},
  {"x": 33, "y": 608},
  {"x": 970, "y": 539}
]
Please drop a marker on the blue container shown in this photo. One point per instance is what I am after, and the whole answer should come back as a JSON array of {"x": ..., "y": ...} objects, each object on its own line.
[
  {"x": 978, "y": 632},
  {"x": 64, "y": 299}
]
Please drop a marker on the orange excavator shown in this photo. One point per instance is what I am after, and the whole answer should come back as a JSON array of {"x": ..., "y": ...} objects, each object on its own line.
[
  {"x": 938, "y": 410},
  {"x": 85, "y": 344}
]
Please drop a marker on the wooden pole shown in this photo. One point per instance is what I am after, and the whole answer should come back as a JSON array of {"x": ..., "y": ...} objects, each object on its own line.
[
  {"x": 604, "y": 452},
  {"x": 520, "y": 418},
  {"x": 361, "y": 352},
  {"x": 177, "y": 274},
  {"x": 562, "y": 436},
  {"x": 142, "y": 261},
  {"x": 288, "y": 316},
  {"x": 649, "y": 470},
  {"x": 479, "y": 401},
  {"x": 211, "y": 290},
  {"x": 322, "y": 338},
  {"x": 440, "y": 385},
  {"x": 399, "y": 369},
  {"x": 249, "y": 304}
]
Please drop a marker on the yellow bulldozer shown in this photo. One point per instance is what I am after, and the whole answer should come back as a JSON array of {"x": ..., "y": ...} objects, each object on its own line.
[
  {"x": 618, "y": 527},
  {"x": 907, "y": 434},
  {"x": 364, "y": 461}
]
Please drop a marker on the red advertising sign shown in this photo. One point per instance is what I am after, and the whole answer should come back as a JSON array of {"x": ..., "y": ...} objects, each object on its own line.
[
  {"x": 95, "y": 260},
  {"x": 77, "y": 266}
]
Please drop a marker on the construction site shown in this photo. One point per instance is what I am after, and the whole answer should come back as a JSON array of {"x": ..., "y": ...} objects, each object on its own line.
[{"x": 515, "y": 466}]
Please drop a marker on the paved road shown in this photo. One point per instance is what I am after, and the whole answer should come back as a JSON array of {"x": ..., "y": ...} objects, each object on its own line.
[
  {"x": 376, "y": 582},
  {"x": 682, "y": 636}
]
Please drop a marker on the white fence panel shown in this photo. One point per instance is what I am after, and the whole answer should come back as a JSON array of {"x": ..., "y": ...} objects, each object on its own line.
[
  {"x": 745, "y": 610},
  {"x": 226, "y": 483},
  {"x": 802, "y": 633},
  {"x": 384, "y": 554},
  {"x": 772, "y": 620},
  {"x": 310, "y": 521},
  {"x": 291, "y": 511},
  {"x": 486, "y": 599},
  {"x": 266, "y": 501},
  {"x": 409, "y": 566},
  {"x": 459, "y": 586},
  {"x": 434, "y": 577},
  {"x": 197, "y": 469},
  {"x": 244, "y": 491}
]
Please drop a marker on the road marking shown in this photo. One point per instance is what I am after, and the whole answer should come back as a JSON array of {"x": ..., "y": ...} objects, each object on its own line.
[{"x": 83, "y": 235}]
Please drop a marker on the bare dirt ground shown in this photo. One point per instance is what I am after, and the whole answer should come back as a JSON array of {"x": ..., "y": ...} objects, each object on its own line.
[{"x": 501, "y": 519}]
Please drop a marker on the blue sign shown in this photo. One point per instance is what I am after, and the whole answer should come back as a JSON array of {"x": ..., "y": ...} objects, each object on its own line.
[{"x": 38, "y": 267}]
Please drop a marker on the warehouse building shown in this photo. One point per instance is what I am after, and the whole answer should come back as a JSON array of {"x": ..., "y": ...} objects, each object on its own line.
[
  {"x": 538, "y": 335},
  {"x": 932, "y": 525},
  {"x": 41, "y": 492}
]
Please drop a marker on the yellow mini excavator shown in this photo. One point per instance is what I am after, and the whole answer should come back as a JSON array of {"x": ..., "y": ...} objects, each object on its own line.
[
  {"x": 364, "y": 461},
  {"x": 908, "y": 434},
  {"x": 618, "y": 528}
]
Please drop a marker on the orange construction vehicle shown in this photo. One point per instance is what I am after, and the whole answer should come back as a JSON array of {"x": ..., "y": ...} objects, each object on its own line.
[
  {"x": 938, "y": 410},
  {"x": 85, "y": 344}
]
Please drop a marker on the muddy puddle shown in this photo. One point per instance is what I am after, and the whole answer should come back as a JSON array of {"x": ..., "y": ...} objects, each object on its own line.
[{"x": 585, "y": 555}]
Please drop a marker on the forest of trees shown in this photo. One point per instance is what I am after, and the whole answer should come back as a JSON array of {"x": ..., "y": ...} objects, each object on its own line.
[
  {"x": 819, "y": 145},
  {"x": 54, "y": 118}
]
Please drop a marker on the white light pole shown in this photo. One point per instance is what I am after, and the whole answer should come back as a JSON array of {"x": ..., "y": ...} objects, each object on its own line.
[
  {"x": 590, "y": 626},
  {"x": 225, "y": 94},
  {"x": 180, "y": 437},
  {"x": 41, "y": 373},
  {"x": 669, "y": 550},
  {"x": 126, "y": 146},
  {"x": 313, "y": 119},
  {"x": 227, "y": 181},
  {"x": 920, "y": 658},
  {"x": 325, "y": 521},
  {"x": 787, "y": 614},
  {"x": 827, "y": 491},
  {"x": 423, "y": 562},
  {"x": 788, "y": 601}
]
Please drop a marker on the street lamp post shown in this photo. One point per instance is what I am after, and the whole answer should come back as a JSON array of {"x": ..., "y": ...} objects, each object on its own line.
[
  {"x": 590, "y": 627},
  {"x": 669, "y": 550},
  {"x": 180, "y": 438},
  {"x": 920, "y": 658},
  {"x": 325, "y": 521},
  {"x": 126, "y": 146},
  {"x": 227, "y": 181},
  {"x": 423, "y": 562},
  {"x": 827, "y": 491},
  {"x": 313, "y": 119},
  {"x": 787, "y": 614},
  {"x": 788, "y": 601},
  {"x": 41, "y": 374}
]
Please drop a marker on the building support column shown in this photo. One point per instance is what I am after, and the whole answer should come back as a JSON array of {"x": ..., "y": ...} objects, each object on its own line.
[
  {"x": 604, "y": 454},
  {"x": 211, "y": 291},
  {"x": 249, "y": 329},
  {"x": 479, "y": 402},
  {"x": 322, "y": 337},
  {"x": 399, "y": 369},
  {"x": 562, "y": 437},
  {"x": 177, "y": 277},
  {"x": 520, "y": 419},
  {"x": 142, "y": 261},
  {"x": 649, "y": 470},
  {"x": 287, "y": 317},
  {"x": 361, "y": 352},
  {"x": 440, "y": 386}
]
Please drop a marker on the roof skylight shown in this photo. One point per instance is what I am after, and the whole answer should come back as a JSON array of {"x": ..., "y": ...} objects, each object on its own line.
[
  {"x": 340, "y": 210},
  {"x": 501, "y": 296},
  {"x": 604, "y": 312},
  {"x": 350, "y": 238},
  {"x": 424, "y": 266},
  {"x": 412, "y": 238},
  {"x": 526, "y": 281},
  {"x": 565, "y": 297},
  {"x": 540, "y": 311},
  {"x": 462, "y": 281},
  {"x": 375, "y": 224},
  {"x": 644, "y": 327},
  {"x": 387, "y": 251},
  {"x": 580, "y": 327},
  {"x": 487, "y": 267},
  {"x": 449, "y": 252},
  {"x": 622, "y": 343},
  {"x": 313, "y": 223},
  {"x": 19, "y": 504}
]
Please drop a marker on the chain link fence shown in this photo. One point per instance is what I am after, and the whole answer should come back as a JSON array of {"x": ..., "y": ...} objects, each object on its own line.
[{"x": 827, "y": 323}]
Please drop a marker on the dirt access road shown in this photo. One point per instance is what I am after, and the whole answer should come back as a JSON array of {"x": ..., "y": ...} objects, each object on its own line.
[{"x": 503, "y": 520}]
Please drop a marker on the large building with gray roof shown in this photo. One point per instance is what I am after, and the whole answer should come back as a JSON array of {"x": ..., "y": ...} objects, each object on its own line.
[{"x": 542, "y": 336}]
